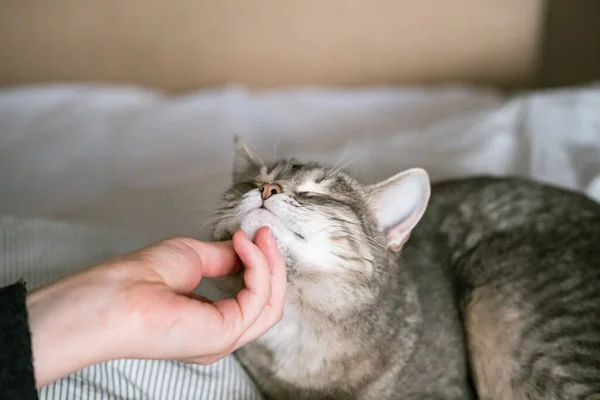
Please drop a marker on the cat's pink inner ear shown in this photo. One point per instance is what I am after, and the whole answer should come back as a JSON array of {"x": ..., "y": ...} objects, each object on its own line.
[{"x": 399, "y": 204}]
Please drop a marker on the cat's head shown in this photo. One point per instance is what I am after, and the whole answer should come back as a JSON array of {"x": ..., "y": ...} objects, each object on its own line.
[{"x": 325, "y": 222}]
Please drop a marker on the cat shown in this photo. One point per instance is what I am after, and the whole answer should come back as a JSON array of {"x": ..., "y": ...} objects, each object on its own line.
[{"x": 482, "y": 288}]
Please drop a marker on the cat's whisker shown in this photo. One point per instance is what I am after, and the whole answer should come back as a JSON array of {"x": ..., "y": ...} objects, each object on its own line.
[
  {"x": 217, "y": 218},
  {"x": 380, "y": 253},
  {"x": 276, "y": 147},
  {"x": 214, "y": 220},
  {"x": 205, "y": 209},
  {"x": 329, "y": 173},
  {"x": 340, "y": 168},
  {"x": 379, "y": 249},
  {"x": 234, "y": 191},
  {"x": 360, "y": 234}
]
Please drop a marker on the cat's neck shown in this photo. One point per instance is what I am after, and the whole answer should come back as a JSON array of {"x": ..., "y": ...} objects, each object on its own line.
[
  {"x": 316, "y": 341},
  {"x": 347, "y": 293},
  {"x": 338, "y": 308}
]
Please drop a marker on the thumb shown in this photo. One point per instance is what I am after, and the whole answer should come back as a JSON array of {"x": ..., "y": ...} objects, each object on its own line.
[{"x": 182, "y": 262}]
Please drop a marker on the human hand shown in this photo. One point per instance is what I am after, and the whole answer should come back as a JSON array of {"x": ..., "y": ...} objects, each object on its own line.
[{"x": 141, "y": 305}]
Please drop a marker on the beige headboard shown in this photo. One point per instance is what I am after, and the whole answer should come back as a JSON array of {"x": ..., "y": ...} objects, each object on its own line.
[{"x": 187, "y": 44}]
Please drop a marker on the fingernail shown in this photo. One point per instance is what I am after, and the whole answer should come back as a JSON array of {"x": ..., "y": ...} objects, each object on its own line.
[
  {"x": 272, "y": 236},
  {"x": 270, "y": 232},
  {"x": 272, "y": 242}
]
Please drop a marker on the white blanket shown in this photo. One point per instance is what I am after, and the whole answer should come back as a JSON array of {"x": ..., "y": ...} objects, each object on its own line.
[
  {"x": 136, "y": 159},
  {"x": 146, "y": 166}
]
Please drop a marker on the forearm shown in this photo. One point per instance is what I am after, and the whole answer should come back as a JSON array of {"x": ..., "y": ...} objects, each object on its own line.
[{"x": 68, "y": 321}]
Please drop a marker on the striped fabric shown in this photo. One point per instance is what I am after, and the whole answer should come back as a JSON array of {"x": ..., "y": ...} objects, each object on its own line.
[
  {"x": 41, "y": 251},
  {"x": 155, "y": 380}
]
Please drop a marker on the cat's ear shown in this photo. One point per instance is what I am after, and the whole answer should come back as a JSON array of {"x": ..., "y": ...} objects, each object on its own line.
[
  {"x": 244, "y": 159},
  {"x": 399, "y": 203}
]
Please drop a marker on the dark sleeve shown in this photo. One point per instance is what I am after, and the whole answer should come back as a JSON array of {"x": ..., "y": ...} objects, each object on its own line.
[{"x": 16, "y": 366}]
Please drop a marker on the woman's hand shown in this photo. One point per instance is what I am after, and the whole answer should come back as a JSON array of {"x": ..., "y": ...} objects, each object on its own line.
[{"x": 141, "y": 305}]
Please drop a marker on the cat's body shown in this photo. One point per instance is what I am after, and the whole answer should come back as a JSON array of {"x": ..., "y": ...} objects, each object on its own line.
[
  {"x": 502, "y": 260},
  {"x": 526, "y": 262}
]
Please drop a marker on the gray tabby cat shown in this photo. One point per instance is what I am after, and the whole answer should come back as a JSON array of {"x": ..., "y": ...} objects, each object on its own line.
[{"x": 499, "y": 283}]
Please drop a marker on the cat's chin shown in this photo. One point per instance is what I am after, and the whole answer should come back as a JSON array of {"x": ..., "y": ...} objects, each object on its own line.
[{"x": 258, "y": 218}]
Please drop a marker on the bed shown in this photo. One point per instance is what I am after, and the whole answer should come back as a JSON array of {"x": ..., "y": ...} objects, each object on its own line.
[
  {"x": 117, "y": 122},
  {"x": 91, "y": 171}
]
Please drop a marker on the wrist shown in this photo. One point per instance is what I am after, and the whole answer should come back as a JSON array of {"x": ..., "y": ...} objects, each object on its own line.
[{"x": 69, "y": 321}]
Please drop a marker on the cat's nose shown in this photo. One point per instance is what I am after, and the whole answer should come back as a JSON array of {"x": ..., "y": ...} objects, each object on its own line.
[{"x": 269, "y": 189}]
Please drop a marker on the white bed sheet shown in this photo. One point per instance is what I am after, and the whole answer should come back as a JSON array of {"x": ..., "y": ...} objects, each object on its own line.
[
  {"x": 146, "y": 166},
  {"x": 156, "y": 164}
]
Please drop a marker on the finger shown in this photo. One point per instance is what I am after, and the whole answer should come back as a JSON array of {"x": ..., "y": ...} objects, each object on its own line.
[
  {"x": 200, "y": 298},
  {"x": 266, "y": 243},
  {"x": 273, "y": 311},
  {"x": 216, "y": 258},
  {"x": 182, "y": 262},
  {"x": 240, "y": 313}
]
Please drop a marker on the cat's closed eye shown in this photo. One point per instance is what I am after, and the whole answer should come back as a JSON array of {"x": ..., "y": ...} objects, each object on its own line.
[
  {"x": 329, "y": 199},
  {"x": 310, "y": 194}
]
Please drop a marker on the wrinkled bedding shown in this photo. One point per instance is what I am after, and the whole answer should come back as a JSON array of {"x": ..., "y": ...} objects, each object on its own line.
[{"x": 87, "y": 172}]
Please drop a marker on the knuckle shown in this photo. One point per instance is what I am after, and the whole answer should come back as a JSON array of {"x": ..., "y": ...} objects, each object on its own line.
[
  {"x": 182, "y": 246},
  {"x": 233, "y": 329},
  {"x": 173, "y": 242},
  {"x": 267, "y": 294},
  {"x": 230, "y": 349},
  {"x": 178, "y": 242},
  {"x": 226, "y": 348},
  {"x": 264, "y": 300},
  {"x": 231, "y": 345},
  {"x": 227, "y": 344}
]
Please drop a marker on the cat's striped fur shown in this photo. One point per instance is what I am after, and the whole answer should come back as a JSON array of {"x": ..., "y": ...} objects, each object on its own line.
[
  {"x": 526, "y": 259},
  {"x": 510, "y": 265}
]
